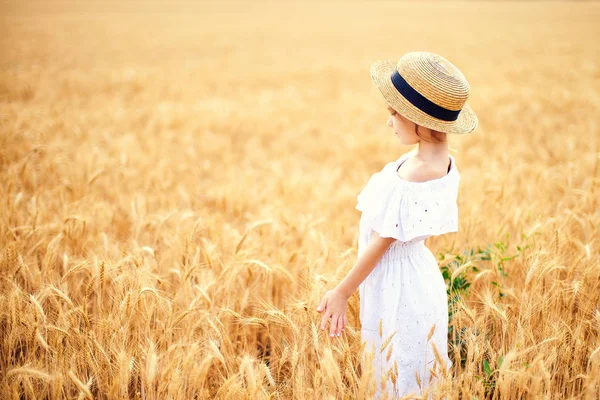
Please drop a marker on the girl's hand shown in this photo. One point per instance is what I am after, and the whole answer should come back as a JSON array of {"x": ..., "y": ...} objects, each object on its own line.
[{"x": 334, "y": 304}]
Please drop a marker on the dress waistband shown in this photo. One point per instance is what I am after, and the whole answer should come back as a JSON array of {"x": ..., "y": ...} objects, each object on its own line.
[{"x": 402, "y": 250}]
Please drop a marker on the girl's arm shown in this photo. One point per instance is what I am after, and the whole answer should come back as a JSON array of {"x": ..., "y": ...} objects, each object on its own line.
[{"x": 335, "y": 301}]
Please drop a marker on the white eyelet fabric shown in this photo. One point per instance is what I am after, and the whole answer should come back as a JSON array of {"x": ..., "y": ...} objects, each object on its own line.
[{"x": 406, "y": 289}]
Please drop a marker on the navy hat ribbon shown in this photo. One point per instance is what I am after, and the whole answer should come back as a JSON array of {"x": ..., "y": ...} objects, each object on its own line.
[{"x": 420, "y": 101}]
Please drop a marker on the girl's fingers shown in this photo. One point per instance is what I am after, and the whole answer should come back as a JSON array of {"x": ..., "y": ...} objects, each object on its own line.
[
  {"x": 345, "y": 322},
  {"x": 333, "y": 326},
  {"x": 322, "y": 305},
  {"x": 340, "y": 325},
  {"x": 324, "y": 319}
]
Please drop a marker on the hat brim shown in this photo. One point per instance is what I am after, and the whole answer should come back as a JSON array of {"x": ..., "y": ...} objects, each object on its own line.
[{"x": 381, "y": 73}]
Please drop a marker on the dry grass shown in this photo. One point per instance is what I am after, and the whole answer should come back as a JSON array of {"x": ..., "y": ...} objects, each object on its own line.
[{"x": 178, "y": 191}]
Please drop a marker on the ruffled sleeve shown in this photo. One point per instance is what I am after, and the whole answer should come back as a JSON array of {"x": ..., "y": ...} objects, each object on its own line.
[
  {"x": 426, "y": 213},
  {"x": 409, "y": 211}
]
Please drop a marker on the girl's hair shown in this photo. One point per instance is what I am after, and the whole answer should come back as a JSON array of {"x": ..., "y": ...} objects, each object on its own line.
[{"x": 438, "y": 137}]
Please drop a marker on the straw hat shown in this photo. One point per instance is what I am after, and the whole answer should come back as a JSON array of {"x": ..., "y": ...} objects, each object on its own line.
[{"x": 428, "y": 90}]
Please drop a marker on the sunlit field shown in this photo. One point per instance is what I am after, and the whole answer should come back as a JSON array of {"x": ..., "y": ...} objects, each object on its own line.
[{"x": 178, "y": 183}]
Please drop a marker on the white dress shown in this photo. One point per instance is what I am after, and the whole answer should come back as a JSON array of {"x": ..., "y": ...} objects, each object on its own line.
[{"x": 406, "y": 289}]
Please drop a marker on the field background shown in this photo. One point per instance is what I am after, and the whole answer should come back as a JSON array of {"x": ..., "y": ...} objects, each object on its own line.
[{"x": 178, "y": 183}]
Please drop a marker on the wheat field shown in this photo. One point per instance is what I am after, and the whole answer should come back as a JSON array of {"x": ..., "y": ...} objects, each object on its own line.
[{"x": 178, "y": 183}]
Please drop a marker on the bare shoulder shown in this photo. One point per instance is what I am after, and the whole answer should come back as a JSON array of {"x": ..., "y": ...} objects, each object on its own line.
[{"x": 419, "y": 171}]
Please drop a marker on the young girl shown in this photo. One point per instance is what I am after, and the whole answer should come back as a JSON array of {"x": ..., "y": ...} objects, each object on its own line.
[{"x": 402, "y": 292}]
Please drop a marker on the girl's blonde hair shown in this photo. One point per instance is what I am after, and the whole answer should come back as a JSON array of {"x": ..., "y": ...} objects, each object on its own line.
[{"x": 438, "y": 137}]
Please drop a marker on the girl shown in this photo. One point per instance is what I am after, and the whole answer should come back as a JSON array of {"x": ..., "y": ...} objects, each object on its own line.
[{"x": 402, "y": 292}]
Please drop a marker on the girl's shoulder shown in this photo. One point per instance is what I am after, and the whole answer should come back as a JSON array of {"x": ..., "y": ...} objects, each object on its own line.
[
  {"x": 419, "y": 171},
  {"x": 423, "y": 178}
]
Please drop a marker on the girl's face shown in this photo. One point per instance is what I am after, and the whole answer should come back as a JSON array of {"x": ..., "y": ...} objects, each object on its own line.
[{"x": 403, "y": 128}]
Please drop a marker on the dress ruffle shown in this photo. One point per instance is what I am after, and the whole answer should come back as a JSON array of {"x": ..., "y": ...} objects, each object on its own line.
[{"x": 409, "y": 211}]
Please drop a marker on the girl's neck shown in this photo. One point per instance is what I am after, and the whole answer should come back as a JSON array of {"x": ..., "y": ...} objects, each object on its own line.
[{"x": 432, "y": 152}]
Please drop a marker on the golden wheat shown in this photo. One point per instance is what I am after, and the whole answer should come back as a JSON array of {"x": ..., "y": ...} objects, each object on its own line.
[{"x": 178, "y": 192}]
